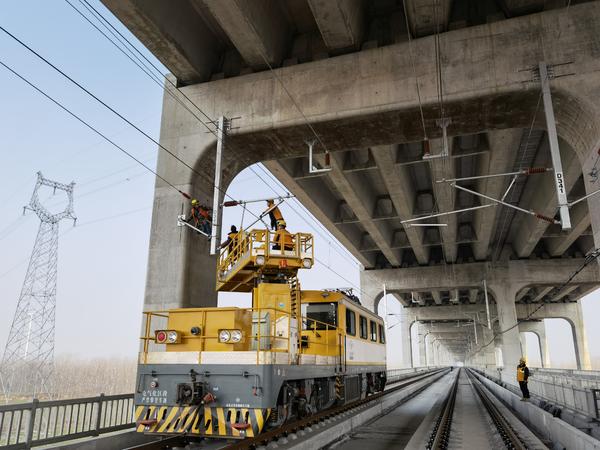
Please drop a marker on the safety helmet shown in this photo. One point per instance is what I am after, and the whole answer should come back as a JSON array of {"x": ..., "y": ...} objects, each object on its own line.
[
  {"x": 194, "y": 202},
  {"x": 522, "y": 361},
  {"x": 281, "y": 223}
]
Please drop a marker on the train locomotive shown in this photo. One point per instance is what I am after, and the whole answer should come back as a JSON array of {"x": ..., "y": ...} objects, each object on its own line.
[{"x": 233, "y": 372}]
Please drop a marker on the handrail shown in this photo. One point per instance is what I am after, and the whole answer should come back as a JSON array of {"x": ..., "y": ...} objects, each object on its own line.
[
  {"x": 247, "y": 244},
  {"x": 258, "y": 336},
  {"x": 26, "y": 425}
]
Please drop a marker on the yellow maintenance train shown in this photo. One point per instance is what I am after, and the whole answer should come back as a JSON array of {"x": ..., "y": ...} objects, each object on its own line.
[{"x": 233, "y": 372}]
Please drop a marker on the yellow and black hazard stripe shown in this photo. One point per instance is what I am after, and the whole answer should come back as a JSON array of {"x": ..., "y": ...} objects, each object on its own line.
[{"x": 204, "y": 421}]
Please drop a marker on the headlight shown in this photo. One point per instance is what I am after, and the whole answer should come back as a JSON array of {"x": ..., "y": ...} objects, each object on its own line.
[
  {"x": 172, "y": 337},
  {"x": 260, "y": 260},
  {"x": 236, "y": 335},
  {"x": 307, "y": 263},
  {"x": 224, "y": 336}
]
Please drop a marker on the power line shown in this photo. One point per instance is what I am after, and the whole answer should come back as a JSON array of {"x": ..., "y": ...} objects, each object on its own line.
[
  {"x": 316, "y": 259},
  {"x": 319, "y": 224},
  {"x": 79, "y": 119}
]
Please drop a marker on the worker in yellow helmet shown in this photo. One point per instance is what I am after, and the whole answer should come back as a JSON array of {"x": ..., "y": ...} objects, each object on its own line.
[
  {"x": 283, "y": 238},
  {"x": 522, "y": 377},
  {"x": 274, "y": 213},
  {"x": 200, "y": 217}
]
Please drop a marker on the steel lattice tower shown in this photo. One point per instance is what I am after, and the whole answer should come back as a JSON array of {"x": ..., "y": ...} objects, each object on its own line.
[{"x": 28, "y": 360}]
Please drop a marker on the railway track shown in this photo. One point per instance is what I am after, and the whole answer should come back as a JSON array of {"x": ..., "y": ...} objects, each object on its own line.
[
  {"x": 440, "y": 436},
  {"x": 287, "y": 429}
]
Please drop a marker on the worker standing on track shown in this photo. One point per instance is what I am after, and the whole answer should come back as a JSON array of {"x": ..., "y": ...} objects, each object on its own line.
[
  {"x": 274, "y": 214},
  {"x": 522, "y": 377}
]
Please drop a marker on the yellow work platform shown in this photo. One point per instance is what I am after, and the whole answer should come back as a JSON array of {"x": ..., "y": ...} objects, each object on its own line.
[{"x": 262, "y": 252}]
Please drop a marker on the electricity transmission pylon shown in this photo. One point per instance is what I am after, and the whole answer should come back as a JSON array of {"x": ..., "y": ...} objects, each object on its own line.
[{"x": 28, "y": 360}]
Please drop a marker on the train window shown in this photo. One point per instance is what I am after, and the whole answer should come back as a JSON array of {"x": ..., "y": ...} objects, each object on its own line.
[
  {"x": 350, "y": 322},
  {"x": 319, "y": 315},
  {"x": 363, "y": 327},
  {"x": 381, "y": 334},
  {"x": 373, "y": 331}
]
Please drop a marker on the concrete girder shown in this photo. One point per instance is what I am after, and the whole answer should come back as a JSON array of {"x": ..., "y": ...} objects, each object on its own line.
[
  {"x": 323, "y": 212},
  {"x": 258, "y": 29},
  {"x": 580, "y": 221},
  {"x": 449, "y": 314},
  {"x": 520, "y": 273},
  {"x": 566, "y": 291},
  {"x": 426, "y": 17},
  {"x": 518, "y": 7},
  {"x": 503, "y": 146},
  {"x": 473, "y": 295},
  {"x": 443, "y": 168},
  {"x": 541, "y": 293},
  {"x": 362, "y": 202},
  {"x": 522, "y": 293},
  {"x": 398, "y": 184},
  {"x": 419, "y": 298},
  {"x": 364, "y": 99},
  {"x": 183, "y": 43},
  {"x": 543, "y": 201},
  {"x": 405, "y": 302},
  {"x": 340, "y": 22}
]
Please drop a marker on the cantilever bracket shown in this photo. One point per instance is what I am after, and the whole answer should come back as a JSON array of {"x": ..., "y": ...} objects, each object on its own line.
[
  {"x": 311, "y": 167},
  {"x": 181, "y": 222}
]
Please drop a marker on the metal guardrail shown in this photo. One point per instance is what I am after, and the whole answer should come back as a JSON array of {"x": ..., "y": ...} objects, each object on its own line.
[
  {"x": 559, "y": 393},
  {"x": 26, "y": 425}
]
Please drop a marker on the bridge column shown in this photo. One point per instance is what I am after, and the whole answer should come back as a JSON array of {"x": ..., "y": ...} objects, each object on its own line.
[
  {"x": 539, "y": 329},
  {"x": 422, "y": 347},
  {"x": 406, "y": 321},
  {"x": 510, "y": 344},
  {"x": 582, "y": 354}
]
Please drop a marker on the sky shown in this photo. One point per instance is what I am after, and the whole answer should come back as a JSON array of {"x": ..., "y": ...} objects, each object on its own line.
[{"x": 103, "y": 260}]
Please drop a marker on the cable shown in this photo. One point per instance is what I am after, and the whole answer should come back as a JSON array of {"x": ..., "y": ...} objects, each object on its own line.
[
  {"x": 79, "y": 119},
  {"x": 352, "y": 257},
  {"x": 412, "y": 62},
  {"x": 316, "y": 259}
]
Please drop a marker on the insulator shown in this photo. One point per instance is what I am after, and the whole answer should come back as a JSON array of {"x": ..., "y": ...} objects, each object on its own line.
[
  {"x": 231, "y": 203},
  {"x": 533, "y": 170},
  {"x": 188, "y": 196},
  {"x": 545, "y": 218}
]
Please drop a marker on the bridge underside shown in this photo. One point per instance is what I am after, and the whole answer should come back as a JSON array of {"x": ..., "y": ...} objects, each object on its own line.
[{"x": 373, "y": 98}]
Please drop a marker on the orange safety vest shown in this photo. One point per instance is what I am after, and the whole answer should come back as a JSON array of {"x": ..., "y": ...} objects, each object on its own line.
[{"x": 520, "y": 373}]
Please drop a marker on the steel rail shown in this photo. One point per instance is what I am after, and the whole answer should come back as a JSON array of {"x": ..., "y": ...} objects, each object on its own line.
[
  {"x": 284, "y": 430},
  {"x": 507, "y": 433},
  {"x": 441, "y": 430}
]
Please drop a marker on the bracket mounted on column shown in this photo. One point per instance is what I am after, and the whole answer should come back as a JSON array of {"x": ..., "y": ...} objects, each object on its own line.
[
  {"x": 559, "y": 179},
  {"x": 443, "y": 124},
  {"x": 311, "y": 167}
]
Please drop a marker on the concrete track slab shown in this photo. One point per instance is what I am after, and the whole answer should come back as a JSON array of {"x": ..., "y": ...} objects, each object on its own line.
[{"x": 394, "y": 430}]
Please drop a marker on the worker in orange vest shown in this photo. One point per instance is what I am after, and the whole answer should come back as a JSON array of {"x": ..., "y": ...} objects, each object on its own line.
[
  {"x": 200, "y": 217},
  {"x": 283, "y": 238},
  {"x": 522, "y": 377},
  {"x": 274, "y": 213}
]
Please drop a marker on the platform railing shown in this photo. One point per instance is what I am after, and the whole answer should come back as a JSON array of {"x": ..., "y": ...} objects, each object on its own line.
[{"x": 36, "y": 423}]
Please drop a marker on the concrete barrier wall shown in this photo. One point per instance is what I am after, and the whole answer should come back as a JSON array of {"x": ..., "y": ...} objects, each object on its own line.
[{"x": 549, "y": 428}]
